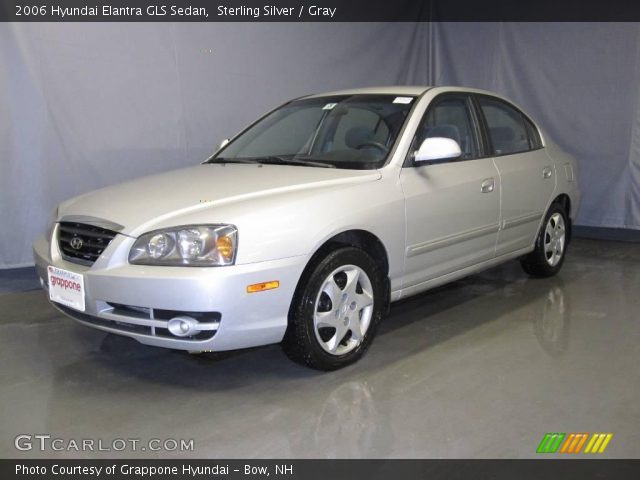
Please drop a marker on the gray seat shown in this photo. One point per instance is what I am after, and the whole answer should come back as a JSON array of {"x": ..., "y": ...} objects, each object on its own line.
[
  {"x": 445, "y": 131},
  {"x": 503, "y": 139}
]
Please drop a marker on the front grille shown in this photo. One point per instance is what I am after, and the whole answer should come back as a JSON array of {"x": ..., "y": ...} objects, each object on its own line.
[{"x": 82, "y": 243}]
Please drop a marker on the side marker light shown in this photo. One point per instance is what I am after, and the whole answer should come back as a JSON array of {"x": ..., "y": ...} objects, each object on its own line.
[{"x": 261, "y": 287}]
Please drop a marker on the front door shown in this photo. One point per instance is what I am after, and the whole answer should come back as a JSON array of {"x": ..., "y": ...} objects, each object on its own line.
[{"x": 452, "y": 207}]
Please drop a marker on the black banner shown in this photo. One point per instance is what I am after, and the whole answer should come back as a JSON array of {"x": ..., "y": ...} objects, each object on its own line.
[
  {"x": 322, "y": 469},
  {"x": 316, "y": 10}
]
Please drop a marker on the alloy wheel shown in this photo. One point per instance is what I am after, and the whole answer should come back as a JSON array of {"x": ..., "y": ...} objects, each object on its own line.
[
  {"x": 343, "y": 310},
  {"x": 554, "y": 239}
]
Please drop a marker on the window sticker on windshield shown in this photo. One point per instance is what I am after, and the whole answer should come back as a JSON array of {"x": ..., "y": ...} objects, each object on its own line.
[
  {"x": 329, "y": 106},
  {"x": 402, "y": 100}
]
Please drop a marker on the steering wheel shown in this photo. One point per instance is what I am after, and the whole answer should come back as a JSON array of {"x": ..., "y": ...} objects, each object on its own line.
[{"x": 377, "y": 145}]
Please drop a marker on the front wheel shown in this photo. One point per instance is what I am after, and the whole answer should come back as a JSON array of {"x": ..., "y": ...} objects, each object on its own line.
[
  {"x": 336, "y": 310},
  {"x": 551, "y": 245}
]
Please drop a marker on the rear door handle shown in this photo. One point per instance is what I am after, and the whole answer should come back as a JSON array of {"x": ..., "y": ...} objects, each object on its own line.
[
  {"x": 547, "y": 172},
  {"x": 487, "y": 185}
]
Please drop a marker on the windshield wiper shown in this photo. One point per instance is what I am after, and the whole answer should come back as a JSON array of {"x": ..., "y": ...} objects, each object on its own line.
[
  {"x": 275, "y": 160},
  {"x": 231, "y": 160},
  {"x": 272, "y": 160}
]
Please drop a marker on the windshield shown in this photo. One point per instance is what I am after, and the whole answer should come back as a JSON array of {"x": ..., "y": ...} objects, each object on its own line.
[{"x": 346, "y": 131}]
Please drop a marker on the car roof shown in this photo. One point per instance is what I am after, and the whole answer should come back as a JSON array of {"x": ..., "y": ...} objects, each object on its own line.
[
  {"x": 414, "y": 90},
  {"x": 390, "y": 90},
  {"x": 406, "y": 90}
]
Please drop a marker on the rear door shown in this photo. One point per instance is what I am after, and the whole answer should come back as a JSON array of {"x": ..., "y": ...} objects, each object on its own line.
[
  {"x": 527, "y": 175},
  {"x": 453, "y": 206}
]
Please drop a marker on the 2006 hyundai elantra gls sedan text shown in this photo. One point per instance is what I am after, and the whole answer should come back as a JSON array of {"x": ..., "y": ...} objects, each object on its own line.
[{"x": 303, "y": 228}]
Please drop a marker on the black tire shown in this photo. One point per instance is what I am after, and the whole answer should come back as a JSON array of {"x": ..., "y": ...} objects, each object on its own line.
[
  {"x": 538, "y": 262},
  {"x": 300, "y": 342}
]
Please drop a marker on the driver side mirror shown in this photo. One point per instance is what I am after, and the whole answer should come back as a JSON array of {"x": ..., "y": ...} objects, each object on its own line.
[
  {"x": 223, "y": 143},
  {"x": 436, "y": 149}
]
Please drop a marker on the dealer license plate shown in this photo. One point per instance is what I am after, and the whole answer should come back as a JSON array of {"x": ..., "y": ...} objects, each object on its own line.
[{"x": 66, "y": 288}]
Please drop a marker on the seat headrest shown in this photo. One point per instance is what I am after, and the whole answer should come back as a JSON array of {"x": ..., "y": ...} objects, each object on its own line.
[
  {"x": 502, "y": 134},
  {"x": 357, "y": 136}
]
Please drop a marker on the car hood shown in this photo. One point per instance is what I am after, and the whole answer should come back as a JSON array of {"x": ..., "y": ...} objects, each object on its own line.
[{"x": 137, "y": 206}]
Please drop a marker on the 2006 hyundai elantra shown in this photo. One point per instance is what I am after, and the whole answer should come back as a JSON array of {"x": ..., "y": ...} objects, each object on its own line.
[{"x": 304, "y": 227}]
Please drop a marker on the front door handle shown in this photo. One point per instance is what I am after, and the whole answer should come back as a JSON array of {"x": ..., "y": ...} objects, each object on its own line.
[
  {"x": 487, "y": 185},
  {"x": 547, "y": 172}
]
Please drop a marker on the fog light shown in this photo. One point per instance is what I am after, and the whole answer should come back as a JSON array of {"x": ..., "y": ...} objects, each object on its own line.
[{"x": 182, "y": 326}]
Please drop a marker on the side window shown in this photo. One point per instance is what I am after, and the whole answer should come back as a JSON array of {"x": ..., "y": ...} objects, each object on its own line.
[
  {"x": 506, "y": 126},
  {"x": 450, "y": 117}
]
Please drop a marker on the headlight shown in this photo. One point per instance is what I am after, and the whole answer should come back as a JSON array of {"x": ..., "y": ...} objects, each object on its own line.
[{"x": 191, "y": 245}]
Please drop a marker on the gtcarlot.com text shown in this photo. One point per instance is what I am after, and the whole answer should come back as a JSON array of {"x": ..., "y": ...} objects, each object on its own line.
[{"x": 49, "y": 443}]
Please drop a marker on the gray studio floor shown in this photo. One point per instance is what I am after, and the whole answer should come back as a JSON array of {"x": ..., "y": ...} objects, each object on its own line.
[{"x": 481, "y": 368}]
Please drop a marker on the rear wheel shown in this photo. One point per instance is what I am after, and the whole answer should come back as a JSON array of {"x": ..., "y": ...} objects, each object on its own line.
[
  {"x": 551, "y": 245},
  {"x": 336, "y": 310}
]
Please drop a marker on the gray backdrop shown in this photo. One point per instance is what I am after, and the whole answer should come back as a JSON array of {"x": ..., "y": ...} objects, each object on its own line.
[{"x": 88, "y": 105}]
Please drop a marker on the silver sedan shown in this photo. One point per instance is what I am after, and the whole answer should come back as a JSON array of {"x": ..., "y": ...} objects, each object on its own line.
[{"x": 304, "y": 227}]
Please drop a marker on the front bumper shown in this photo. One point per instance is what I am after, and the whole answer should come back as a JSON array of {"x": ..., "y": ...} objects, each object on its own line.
[{"x": 138, "y": 301}]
